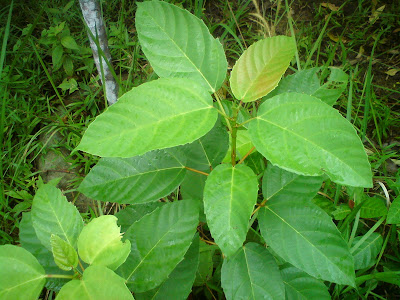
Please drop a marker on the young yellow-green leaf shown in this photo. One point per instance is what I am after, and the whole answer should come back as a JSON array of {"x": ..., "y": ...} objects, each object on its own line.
[
  {"x": 100, "y": 243},
  {"x": 178, "y": 44},
  {"x": 305, "y": 236},
  {"x": 393, "y": 216},
  {"x": 159, "y": 114},
  {"x": 135, "y": 180},
  {"x": 252, "y": 273},
  {"x": 53, "y": 214},
  {"x": 159, "y": 242},
  {"x": 301, "y": 286},
  {"x": 230, "y": 194},
  {"x": 64, "y": 254},
  {"x": 261, "y": 66},
  {"x": 97, "y": 282},
  {"x": 304, "y": 135},
  {"x": 21, "y": 275}
]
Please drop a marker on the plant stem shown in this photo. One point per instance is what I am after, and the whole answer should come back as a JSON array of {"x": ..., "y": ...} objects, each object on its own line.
[
  {"x": 234, "y": 134},
  {"x": 80, "y": 264},
  {"x": 247, "y": 154},
  {"x": 223, "y": 111},
  {"x": 290, "y": 21},
  {"x": 196, "y": 171}
]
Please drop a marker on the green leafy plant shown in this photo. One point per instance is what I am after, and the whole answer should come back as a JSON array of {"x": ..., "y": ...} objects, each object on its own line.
[{"x": 169, "y": 135}]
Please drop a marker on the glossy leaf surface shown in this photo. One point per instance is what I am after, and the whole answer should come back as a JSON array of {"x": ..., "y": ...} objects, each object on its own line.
[
  {"x": 159, "y": 114},
  {"x": 303, "y": 135},
  {"x": 299, "y": 285},
  {"x": 21, "y": 275},
  {"x": 138, "y": 179},
  {"x": 53, "y": 214},
  {"x": 159, "y": 241},
  {"x": 230, "y": 194},
  {"x": 281, "y": 184},
  {"x": 97, "y": 282},
  {"x": 64, "y": 254},
  {"x": 260, "y": 67},
  {"x": 252, "y": 273},
  {"x": 305, "y": 236},
  {"x": 178, "y": 44}
]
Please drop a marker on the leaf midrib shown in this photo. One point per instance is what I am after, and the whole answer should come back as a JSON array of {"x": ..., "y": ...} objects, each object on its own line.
[
  {"x": 307, "y": 240},
  {"x": 181, "y": 50}
]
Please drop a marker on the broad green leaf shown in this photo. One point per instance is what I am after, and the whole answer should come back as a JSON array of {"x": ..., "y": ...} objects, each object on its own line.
[
  {"x": 256, "y": 162},
  {"x": 178, "y": 44},
  {"x": 21, "y": 275},
  {"x": 307, "y": 82},
  {"x": 68, "y": 65},
  {"x": 341, "y": 211},
  {"x": 365, "y": 255},
  {"x": 132, "y": 213},
  {"x": 260, "y": 67},
  {"x": 333, "y": 88},
  {"x": 56, "y": 57},
  {"x": 303, "y": 82},
  {"x": 373, "y": 207},
  {"x": 192, "y": 186},
  {"x": 326, "y": 204},
  {"x": 53, "y": 214},
  {"x": 97, "y": 282},
  {"x": 281, "y": 184},
  {"x": 205, "y": 269},
  {"x": 159, "y": 114},
  {"x": 179, "y": 283},
  {"x": 208, "y": 151},
  {"x": 230, "y": 194},
  {"x": 69, "y": 42},
  {"x": 299, "y": 285},
  {"x": 252, "y": 273},
  {"x": 100, "y": 243},
  {"x": 159, "y": 241},
  {"x": 64, "y": 254},
  {"x": 301, "y": 134},
  {"x": 29, "y": 240},
  {"x": 393, "y": 216},
  {"x": 305, "y": 236},
  {"x": 135, "y": 180}
]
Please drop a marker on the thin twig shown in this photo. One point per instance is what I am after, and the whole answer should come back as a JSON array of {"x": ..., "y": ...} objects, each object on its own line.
[{"x": 196, "y": 171}]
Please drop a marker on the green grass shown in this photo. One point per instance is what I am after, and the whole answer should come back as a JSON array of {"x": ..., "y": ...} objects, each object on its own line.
[{"x": 33, "y": 104}]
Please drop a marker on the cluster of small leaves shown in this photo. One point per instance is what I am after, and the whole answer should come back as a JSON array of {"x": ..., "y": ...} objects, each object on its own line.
[{"x": 169, "y": 133}]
